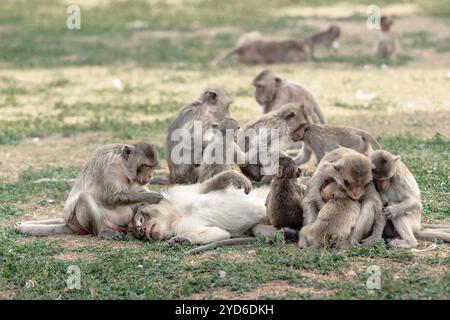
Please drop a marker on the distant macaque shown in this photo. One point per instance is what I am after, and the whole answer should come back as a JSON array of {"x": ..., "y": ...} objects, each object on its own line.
[
  {"x": 335, "y": 221},
  {"x": 327, "y": 38},
  {"x": 352, "y": 173},
  {"x": 273, "y": 91},
  {"x": 284, "y": 208},
  {"x": 212, "y": 107},
  {"x": 322, "y": 139},
  {"x": 258, "y": 50},
  {"x": 402, "y": 204},
  {"x": 284, "y": 120},
  {"x": 101, "y": 200},
  {"x": 386, "y": 43},
  {"x": 224, "y": 145}
]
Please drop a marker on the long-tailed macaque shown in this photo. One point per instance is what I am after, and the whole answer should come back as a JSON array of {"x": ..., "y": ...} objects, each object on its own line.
[
  {"x": 327, "y": 38},
  {"x": 386, "y": 42},
  {"x": 352, "y": 173},
  {"x": 272, "y": 91},
  {"x": 212, "y": 107},
  {"x": 334, "y": 222},
  {"x": 222, "y": 153},
  {"x": 203, "y": 213},
  {"x": 284, "y": 120},
  {"x": 400, "y": 194},
  {"x": 266, "y": 50},
  {"x": 284, "y": 201},
  {"x": 322, "y": 139},
  {"x": 101, "y": 200}
]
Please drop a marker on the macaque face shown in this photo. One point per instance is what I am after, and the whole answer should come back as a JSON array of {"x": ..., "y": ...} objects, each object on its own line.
[
  {"x": 149, "y": 225},
  {"x": 218, "y": 103},
  {"x": 384, "y": 166},
  {"x": 297, "y": 134},
  {"x": 264, "y": 91},
  {"x": 145, "y": 172},
  {"x": 354, "y": 180},
  {"x": 287, "y": 169}
]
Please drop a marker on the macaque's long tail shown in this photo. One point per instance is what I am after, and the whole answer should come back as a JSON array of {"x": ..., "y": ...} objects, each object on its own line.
[
  {"x": 44, "y": 228},
  {"x": 432, "y": 234},
  {"x": 436, "y": 226},
  {"x": 221, "y": 243},
  {"x": 224, "y": 55}
]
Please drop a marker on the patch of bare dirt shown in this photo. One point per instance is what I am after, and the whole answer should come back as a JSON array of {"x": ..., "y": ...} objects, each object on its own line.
[
  {"x": 272, "y": 288},
  {"x": 72, "y": 256},
  {"x": 195, "y": 260},
  {"x": 55, "y": 151}
]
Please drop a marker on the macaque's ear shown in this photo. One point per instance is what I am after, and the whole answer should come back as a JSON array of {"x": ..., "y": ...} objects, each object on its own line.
[
  {"x": 298, "y": 173},
  {"x": 279, "y": 173},
  {"x": 126, "y": 150},
  {"x": 212, "y": 97},
  {"x": 278, "y": 81},
  {"x": 396, "y": 158}
]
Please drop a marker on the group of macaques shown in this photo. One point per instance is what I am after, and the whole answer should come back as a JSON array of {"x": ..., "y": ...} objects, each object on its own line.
[
  {"x": 357, "y": 195},
  {"x": 253, "y": 48}
]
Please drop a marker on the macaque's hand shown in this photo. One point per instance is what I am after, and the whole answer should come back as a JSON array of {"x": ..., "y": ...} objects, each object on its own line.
[
  {"x": 153, "y": 197},
  {"x": 241, "y": 182},
  {"x": 387, "y": 212},
  {"x": 112, "y": 235},
  {"x": 181, "y": 240}
]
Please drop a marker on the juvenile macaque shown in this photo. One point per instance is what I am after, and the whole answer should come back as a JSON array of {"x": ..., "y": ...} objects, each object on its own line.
[
  {"x": 322, "y": 139},
  {"x": 327, "y": 38},
  {"x": 221, "y": 146},
  {"x": 101, "y": 200},
  {"x": 265, "y": 50},
  {"x": 402, "y": 204},
  {"x": 352, "y": 173},
  {"x": 284, "y": 120},
  {"x": 272, "y": 91},
  {"x": 212, "y": 107},
  {"x": 284, "y": 208},
  {"x": 334, "y": 223},
  {"x": 386, "y": 43}
]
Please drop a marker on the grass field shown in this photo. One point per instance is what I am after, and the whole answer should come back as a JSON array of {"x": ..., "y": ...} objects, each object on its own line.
[{"x": 58, "y": 103}]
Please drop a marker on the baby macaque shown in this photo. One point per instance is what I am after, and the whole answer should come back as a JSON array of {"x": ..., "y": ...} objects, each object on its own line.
[
  {"x": 283, "y": 203},
  {"x": 335, "y": 221},
  {"x": 328, "y": 38}
]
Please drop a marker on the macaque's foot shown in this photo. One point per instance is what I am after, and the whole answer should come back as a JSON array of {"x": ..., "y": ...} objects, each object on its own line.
[
  {"x": 290, "y": 234},
  {"x": 112, "y": 235},
  {"x": 302, "y": 243},
  {"x": 400, "y": 243},
  {"x": 370, "y": 241},
  {"x": 181, "y": 240},
  {"x": 153, "y": 197},
  {"x": 343, "y": 246}
]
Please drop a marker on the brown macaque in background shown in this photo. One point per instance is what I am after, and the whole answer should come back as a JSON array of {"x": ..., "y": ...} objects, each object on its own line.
[
  {"x": 352, "y": 172},
  {"x": 284, "y": 201},
  {"x": 322, "y": 139},
  {"x": 328, "y": 39},
  {"x": 284, "y": 120},
  {"x": 101, "y": 200},
  {"x": 334, "y": 223},
  {"x": 386, "y": 42},
  {"x": 212, "y": 107},
  {"x": 221, "y": 146},
  {"x": 400, "y": 194},
  {"x": 273, "y": 91},
  {"x": 265, "y": 50}
]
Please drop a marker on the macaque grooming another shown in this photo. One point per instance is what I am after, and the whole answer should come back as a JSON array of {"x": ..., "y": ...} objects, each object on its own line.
[
  {"x": 322, "y": 139},
  {"x": 386, "y": 43},
  {"x": 212, "y": 107},
  {"x": 101, "y": 200},
  {"x": 328, "y": 38},
  {"x": 352, "y": 172},
  {"x": 402, "y": 204},
  {"x": 334, "y": 223},
  {"x": 273, "y": 91},
  {"x": 283, "y": 203}
]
